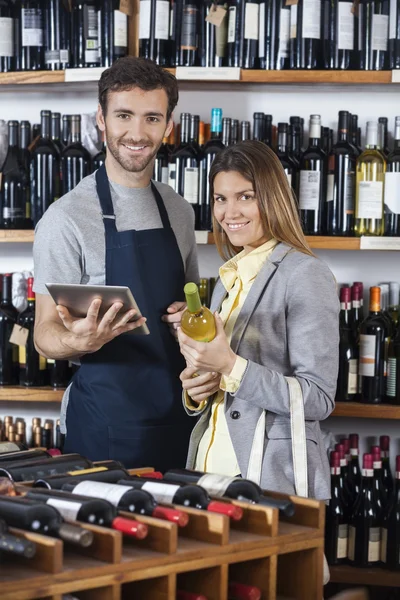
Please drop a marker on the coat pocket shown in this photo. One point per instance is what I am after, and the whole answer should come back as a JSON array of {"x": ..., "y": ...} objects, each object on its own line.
[{"x": 281, "y": 430}]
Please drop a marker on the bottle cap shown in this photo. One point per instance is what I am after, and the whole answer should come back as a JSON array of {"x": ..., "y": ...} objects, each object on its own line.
[
  {"x": 376, "y": 453},
  {"x": 375, "y": 298},
  {"x": 243, "y": 592},
  {"x": 130, "y": 527},
  {"x": 335, "y": 459},
  {"x": 368, "y": 462},
  {"x": 384, "y": 441},
  {"x": 170, "y": 514},
  {"x": 75, "y": 535},
  {"x": 30, "y": 293},
  {"x": 346, "y": 444},
  {"x": 345, "y": 294},
  {"x": 54, "y": 452},
  {"x": 353, "y": 440},
  {"x": 152, "y": 475},
  {"x": 355, "y": 292},
  {"x": 359, "y": 284},
  {"x": 192, "y": 297},
  {"x": 224, "y": 508},
  {"x": 340, "y": 448},
  {"x": 398, "y": 463}
]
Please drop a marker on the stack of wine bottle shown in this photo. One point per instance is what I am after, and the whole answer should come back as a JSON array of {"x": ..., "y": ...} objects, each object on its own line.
[
  {"x": 42, "y": 163},
  {"x": 363, "y": 515},
  {"x": 369, "y": 349},
  {"x": 42, "y": 434},
  {"x": 341, "y": 189},
  {"x": 251, "y": 34}
]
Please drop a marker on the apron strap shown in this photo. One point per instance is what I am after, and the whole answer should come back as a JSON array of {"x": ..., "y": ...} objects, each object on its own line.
[
  {"x": 161, "y": 207},
  {"x": 106, "y": 203}
]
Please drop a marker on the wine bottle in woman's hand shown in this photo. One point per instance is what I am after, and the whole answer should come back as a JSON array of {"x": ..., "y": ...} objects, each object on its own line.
[{"x": 197, "y": 321}]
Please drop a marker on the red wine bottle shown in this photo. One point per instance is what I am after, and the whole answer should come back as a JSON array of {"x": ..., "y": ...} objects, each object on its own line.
[
  {"x": 32, "y": 366},
  {"x": 354, "y": 472},
  {"x": 8, "y": 351},
  {"x": 305, "y": 34},
  {"x": 236, "y": 488},
  {"x": 10, "y": 453},
  {"x": 14, "y": 197},
  {"x": 288, "y": 162},
  {"x": 240, "y": 591},
  {"x": 185, "y": 495},
  {"x": 29, "y": 35},
  {"x": 387, "y": 477},
  {"x": 75, "y": 159},
  {"x": 187, "y": 167},
  {"x": 379, "y": 489},
  {"x": 365, "y": 522},
  {"x": 128, "y": 499},
  {"x": 85, "y": 34},
  {"x": 373, "y": 32},
  {"x": 347, "y": 385},
  {"x": 12, "y": 544},
  {"x": 32, "y": 470},
  {"x": 56, "y": 482},
  {"x": 33, "y": 516},
  {"x": 338, "y": 35},
  {"x": 390, "y": 548},
  {"x": 343, "y": 474},
  {"x": 392, "y": 178},
  {"x": 56, "y": 35},
  {"x": 337, "y": 517},
  {"x": 356, "y": 310},
  {"x": 114, "y": 32},
  {"x": 154, "y": 29},
  {"x": 183, "y": 595}
]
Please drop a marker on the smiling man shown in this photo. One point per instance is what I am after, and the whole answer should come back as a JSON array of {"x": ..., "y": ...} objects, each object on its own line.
[{"x": 117, "y": 227}]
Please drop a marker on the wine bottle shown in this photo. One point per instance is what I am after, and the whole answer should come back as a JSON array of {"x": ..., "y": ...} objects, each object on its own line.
[
  {"x": 258, "y": 126},
  {"x": 7, "y": 24},
  {"x": 354, "y": 133},
  {"x": 123, "y": 498},
  {"x": 392, "y": 182},
  {"x": 274, "y": 35},
  {"x": 11, "y": 448},
  {"x": 354, "y": 472},
  {"x": 347, "y": 386},
  {"x": 75, "y": 159},
  {"x": 337, "y": 518},
  {"x": 186, "y": 495},
  {"x": 235, "y": 131},
  {"x": 213, "y": 39},
  {"x": 381, "y": 497},
  {"x": 240, "y": 591},
  {"x": 383, "y": 122},
  {"x": 394, "y": 35},
  {"x": 235, "y": 488},
  {"x": 312, "y": 186},
  {"x": 204, "y": 292},
  {"x": 59, "y": 373},
  {"x": 29, "y": 35},
  {"x": 394, "y": 302},
  {"x": 355, "y": 315},
  {"x": 8, "y": 318},
  {"x": 236, "y": 33},
  {"x": 114, "y": 31},
  {"x": 187, "y": 167},
  {"x": 45, "y": 170},
  {"x": 211, "y": 149},
  {"x": 373, "y": 332},
  {"x": 390, "y": 546},
  {"x": 343, "y": 474},
  {"x": 14, "y": 184},
  {"x": 187, "y": 32},
  {"x": 305, "y": 34},
  {"x": 340, "y": 196},
  {"x": 33, "y": 516},
  {"x": 371, "y": 167},
  {"x": 95, "y": 473},
  {"x": 338, "y": 35},
  {"x": 66, "y": 130},
  {"x": 56, "y": 35},
  {"x": 31, "y": 470},
  {"x": 373, "y": 32},
  {"x": 295, "y": 140},
  {"x": 32, "y": 366},
  {"x": 10, "y": 454},
  {"x": 161, "y": 163},
  {"x": 56, "y": 131},
  {"x": 85, "y": 34},
  {"x": 387, "y": 477},
  {"x": 365, "y": 523},
  {"x": 245, "y": 131},
  {"x": 154, "y": 29},
  {"x": 15, "y": 545},
  {"x": 197, "y": 321},
  {"x": 226, "y": 131},
  {"x": 288, "y": 162},
  {"x": 25, "y": 155}
]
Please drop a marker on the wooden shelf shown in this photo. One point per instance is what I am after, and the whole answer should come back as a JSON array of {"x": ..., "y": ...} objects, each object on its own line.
[
  {"x": 368, "y": 576},
  {"x": 32, "y": 77},
  {"x": 366, "y": 411},
  {"x": 22, "y": 394},
  {"x": 16, "y": 235}
]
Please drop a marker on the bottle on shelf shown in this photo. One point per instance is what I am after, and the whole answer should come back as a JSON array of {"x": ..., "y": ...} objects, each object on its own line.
[
  {"x": 394, "y": 36},
  {"x": 381, "y": 496},
  {"x": 338, "y": 35},
  {"x": 59, "y": 373},
  {"x": 211, "y": 149},
  {"x": 383, "y": 127},
  {"x": 29, "y": 35},
  {"x": 355, "y": 134},
  {"x": 343, "y": 474},
  {"x": 161, "y": 163},
  {"x": 393, "y": 375},
  {"x": 11, "y": 453},
  {"x": 371, "y": 167},
  {"x": 85, "y": 34},
  {"x": 337, "y": 518},
  {"x": 394, "y": 302},
  {"x": 204, "y": 292},
  {"x": 312, "y": 185},
  {"x": 75, "y": 159},
  {"x": 353, "y": 472},
  {"x": 243, "y": 32},
  {"x": 66, "y": 130},
  {"x": 32, "y": 366},
  {"x": 197, "y": 320},
  {"x": 235, "y": 131},
  {"x": 187, "y": 164},
  {"x": 8, "y": 351},
  {"x": 392, "y": 183},
  {"x": 274, "y": 35},
  {"x": 56, "y": 35},
  {"x": 15, "y": 545},
  {"x": 373, "y": 33},
  {"x": 245, "y": 131},
  {"x": 186, "y": 26},
  {"x": 390, "y": 546},
  {"x": 305, "y": 34},
  {"x": 106, "y": 474},
  {"x": 387, "y": 477},
  {"x": 213, "y": 39},
  {"x": 114, "y": 31},
  {"x": 56, "y": 131},
  {"x": 347, "y": 386},
  {"x": 288, "y": 162},
  {"x": 100, "y": 158},
  {"x": 25, "y": 154},
  {"x": 30, "y": 470},
  {"x": 7, "y": 24},
  {"x": 355, "y": 316},
  {"x": 14, "y": 194}
]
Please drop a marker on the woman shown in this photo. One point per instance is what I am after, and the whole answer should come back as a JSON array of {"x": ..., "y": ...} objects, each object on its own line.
[{"x": 277, "y": 326}]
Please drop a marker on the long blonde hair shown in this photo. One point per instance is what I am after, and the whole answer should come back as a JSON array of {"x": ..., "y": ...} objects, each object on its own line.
[{"x": 278, "y": 207}]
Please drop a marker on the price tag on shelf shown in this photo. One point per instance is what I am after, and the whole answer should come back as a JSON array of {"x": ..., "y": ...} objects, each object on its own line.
[
  {"x": 216, "y": 15},
  {"x": 208, "y": 74},
  {"x": 201, "y": 237},
  {"x": 396, "y": 76},
  {"x": 291, "y": 2},
  {"x": 379, "y": 243},
  {"x": 19, "y": 335},
  {"x": 90, "y": 74},
  {"x": 126, "y": 6}
]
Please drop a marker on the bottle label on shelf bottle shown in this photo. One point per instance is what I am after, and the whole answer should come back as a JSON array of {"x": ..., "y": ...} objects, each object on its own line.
[
  {"x": 232, "y": 25},
  {"x": 293, "y": 21},
  {"x": 191, "y": 185},
  {"x": 172, "y": 175},
  {"x": 164, "y": 175},
  {"x": 380, "y": 32},
  {"x": 6, "y": 36},
  {"x": 189, "y": 27},
  {"x": 393, "y": 19},
  {"x": 144, "y": 19},
  {"x": 52, "y": 57},
  {"x": 32, "y": 26},
  {"x": 330, "y": 187},
  {"x": 284, "y": 33},
  {"x": 289, "y": 178},
  {"x": 392, "y": 193},
  {"x": 374, "y": 544},
  {"x": 370, "y": 200},
  {"x": 67, "y": 509},
  {"x": 311, "y": 19},
  {"x": 251, "y": 21},
  {"x": 345, "y": 26},
  {"x": 343, "y": 536},
  {"x": 309, "y": 190},
  {"x": 367, "y": 472},
  {"x": 161, "y": 492},
  {"x": 8, "y": 447},
  {"x": 391, "y": 387},
  {"x": 91, "y": 21},
  {"x": 360, "y": 27},
  {"x": 352, "y": 543},
  {"x": 120, "y": 29},
  {"x": 354, "y": 451},
  {"x": 383, "y": 552},
  {"x": 216, "y": 485},
  {"x": 261, "y": 31},
  {"x": 367, "y": 355},
  {"x": 98, "y": 489},
  {"x": 162, "y": 20},
  {"x": 350, "y": 193},
  {"x": 352, "y": 382}
]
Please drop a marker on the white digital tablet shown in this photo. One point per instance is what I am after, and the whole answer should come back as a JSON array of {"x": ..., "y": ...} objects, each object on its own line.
[{"x": 78, "y": 297}]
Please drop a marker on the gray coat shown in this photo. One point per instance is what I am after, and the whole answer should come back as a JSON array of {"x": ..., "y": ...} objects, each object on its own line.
[{"x": 288, "y": 326}]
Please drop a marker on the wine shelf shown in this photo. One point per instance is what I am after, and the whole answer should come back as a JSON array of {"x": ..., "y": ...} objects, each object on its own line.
[
  {"x": 366, "y": 411},
  {"x": 368, "y": 576},
  {"x": 22, "y": 394}
]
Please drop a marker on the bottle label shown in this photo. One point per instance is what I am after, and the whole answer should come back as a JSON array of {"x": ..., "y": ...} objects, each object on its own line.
[
  {"x": 309, "y": 190},
  {"x": 360, "y": 27},
  {"x": 164, "y": 175},
  {"x": 367, "y": 472},
  {"x": 374, "y": 544},
  {"x": 172, "y": 175},
  {"x": 42, "y": 363},
  {"x": 380, "y": 29},
  {"x": 356, "y": 304},
  {"x": 392, "y": 193},
  {"x": 232, "y": 25},
  {"x": 13, "y": 213},
  {"x": 191, "y": 185},
  {"x": 32, "y": 26},
  {"x": 330, "y": 188},
  {"x": 370, "y": 196},
  {"x": 120, "y": 29},
  {"x": 221, "y": 38},
  {"x": 345, "y": 26},
  {"x": 162, "y": 20},
  {"x": 67, "y": 509},
  {"x": 8, "y": 447},
  {"x": 161, "y": 492},
  {"x": 335, "y": 470},
  {"x": 343, "y": 536},
  {"x": 22, "y": 355},
  {"x": 352, "y": 382},
  {"x": 98, "y": 489},
  {"x": 352, "y": 543},
  {"x": 393, "y": 19},
  {"x": 289, "y": 178},
  {"x": 311, "y": 19},
  {"x": 261, "y": 31},
  {"x": 391, "y": 387},
  {"x": 91, "y": 22},
  {"x": 6, "y": 36},
  {"x": 52, "y": 57},
  {"x": 216, "y": 485},
  {"x": 86, "y": 471},
  {"x": 251, "y": 21},
  {"x": 144, "y": 19},
  {"x": 284, "y": 33},
  {"x": 189, "y": 27},
  {"x": 384, "y": 536},
  {"x": 354, "y": 451},
  {"x": 350, "y": 193},
  {"x": 293, "y": 21},
  {"x": 367, "y": 355}
]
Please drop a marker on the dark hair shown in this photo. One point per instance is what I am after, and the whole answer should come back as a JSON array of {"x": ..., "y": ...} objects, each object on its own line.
[
  {"x": 276, "y": 202},
  {"x": 129, "y": 72}
]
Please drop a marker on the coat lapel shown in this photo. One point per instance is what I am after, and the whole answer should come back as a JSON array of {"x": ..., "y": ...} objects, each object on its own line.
[{"x": 218, "y": 296}]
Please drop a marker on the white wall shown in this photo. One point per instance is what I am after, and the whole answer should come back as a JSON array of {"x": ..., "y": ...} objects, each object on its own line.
[{"x": 369, "y": 102}]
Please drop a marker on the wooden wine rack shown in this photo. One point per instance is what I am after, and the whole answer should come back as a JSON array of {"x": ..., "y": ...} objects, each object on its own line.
[{"x": 282, "y": 556}]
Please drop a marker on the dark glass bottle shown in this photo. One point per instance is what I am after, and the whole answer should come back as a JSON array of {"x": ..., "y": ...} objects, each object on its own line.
[
  {"x": 393, "y": 379},
  {"x": 387, "y": 477},
  {"x": 354, "y": 133},
  {"x": 269, "y": 34},
  {"x": 295, "y": 138},
  {"x": 373, "y": 31},
  {"x": 8, "y": 352},
  {"x": 66, "y": 129},
  {"x": 373, "y": 332},
  {"x": 75, "y": 159},
  {"x": 353, "y": 471},
  {"x": 114, "y": 32},
  {"x": 15, "y": 545},
  {"x": 187, "y": 26},
  {"x": 31, "y": 470},
  {"x": 7, "y": 24},
  {"x": 341, "y": 188},
  {"x": 56, "y": 35},
  {"x": 392, "y": 183},
  {"x": 243, "y": 34},
  {"x": 381, "y": 495},
  {"x": 14, "y": 196},
  {"x": 338, "y": 34},
  {"x": 258, "y": 126},
  {"x": 235, "y": 131},
  {"x": 245, "y": 131},
  {"x": 226, "y": 131},
  {"x": 289, "y": 164},
  {"x": 85, "y": 34},
  {"x": 383, "y": 121},
  {"x": 100, "y": 157},
  {"x": 104, "y": 474},
  {"x": 32, "y": 366},
  {"x": 24, "y": 143},
  {"x": 394, "y": 35},
  {"x": 187, "y": 167},
  {"x": 348, "y": 352},
  {"x": 213, "y": 47},
  {"x": 59, "y": 373},
  {"x": 56, "y": 131},
  {"x": 45, "y": 170},
  {"x": 29, "y": 35},
  {"x": 161, "y": 163},
  {"x": 336, "y": 520},
  {"x": 343, "y": 473},
  {"x": 211, "y": 149},
  {"x": 390, "y": 548},
  {"x": 305, "y": 34},
  {"x": 312, "y": 185},
  {"x": 394, "y": 302},
  {"x": 154, "y": 28}
]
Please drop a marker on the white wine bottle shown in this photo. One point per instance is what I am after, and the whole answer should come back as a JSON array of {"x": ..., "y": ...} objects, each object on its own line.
[
  {"x": 371, "y": 168},
  {"x": 197, "y": 321}
]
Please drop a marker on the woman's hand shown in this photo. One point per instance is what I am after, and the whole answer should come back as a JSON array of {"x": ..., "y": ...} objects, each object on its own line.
[
  {"x": 201, "y": 387},
  {"x": 216, "y": 356}
]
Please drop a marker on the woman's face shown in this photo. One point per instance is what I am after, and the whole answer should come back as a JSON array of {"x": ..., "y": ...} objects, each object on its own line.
[{"x": 236, "y": 210}]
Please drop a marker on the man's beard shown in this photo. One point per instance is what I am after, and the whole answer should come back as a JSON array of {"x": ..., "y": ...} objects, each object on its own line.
[{"x": 133, "y": 164}]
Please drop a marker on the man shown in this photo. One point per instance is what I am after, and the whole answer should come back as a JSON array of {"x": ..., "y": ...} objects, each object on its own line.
[{"x": 119, "y": 228}]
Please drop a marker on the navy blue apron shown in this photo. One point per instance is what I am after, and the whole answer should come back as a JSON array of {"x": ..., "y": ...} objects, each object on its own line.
[{"x": 125, "y": 402}]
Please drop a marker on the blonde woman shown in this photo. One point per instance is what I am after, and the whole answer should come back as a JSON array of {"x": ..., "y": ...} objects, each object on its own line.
[{"x": 277, "y": 312}]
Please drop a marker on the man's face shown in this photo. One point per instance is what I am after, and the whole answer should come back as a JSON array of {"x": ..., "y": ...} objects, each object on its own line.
[{"x": 135, "y": 124}]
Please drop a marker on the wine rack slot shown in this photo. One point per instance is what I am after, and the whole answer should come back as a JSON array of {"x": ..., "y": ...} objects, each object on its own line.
[
  {"x": 49, "y": 552},
  {"x": 212, "y": 583},
  {"x": 259, "y": 573},
  {"x": 161, "y": 588},
  {"x": 299, "y": 574},
  {"x": 106, "y": 546},
  {"x": 110, "y": 592},
  {"x": 205, "y": 526}
]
